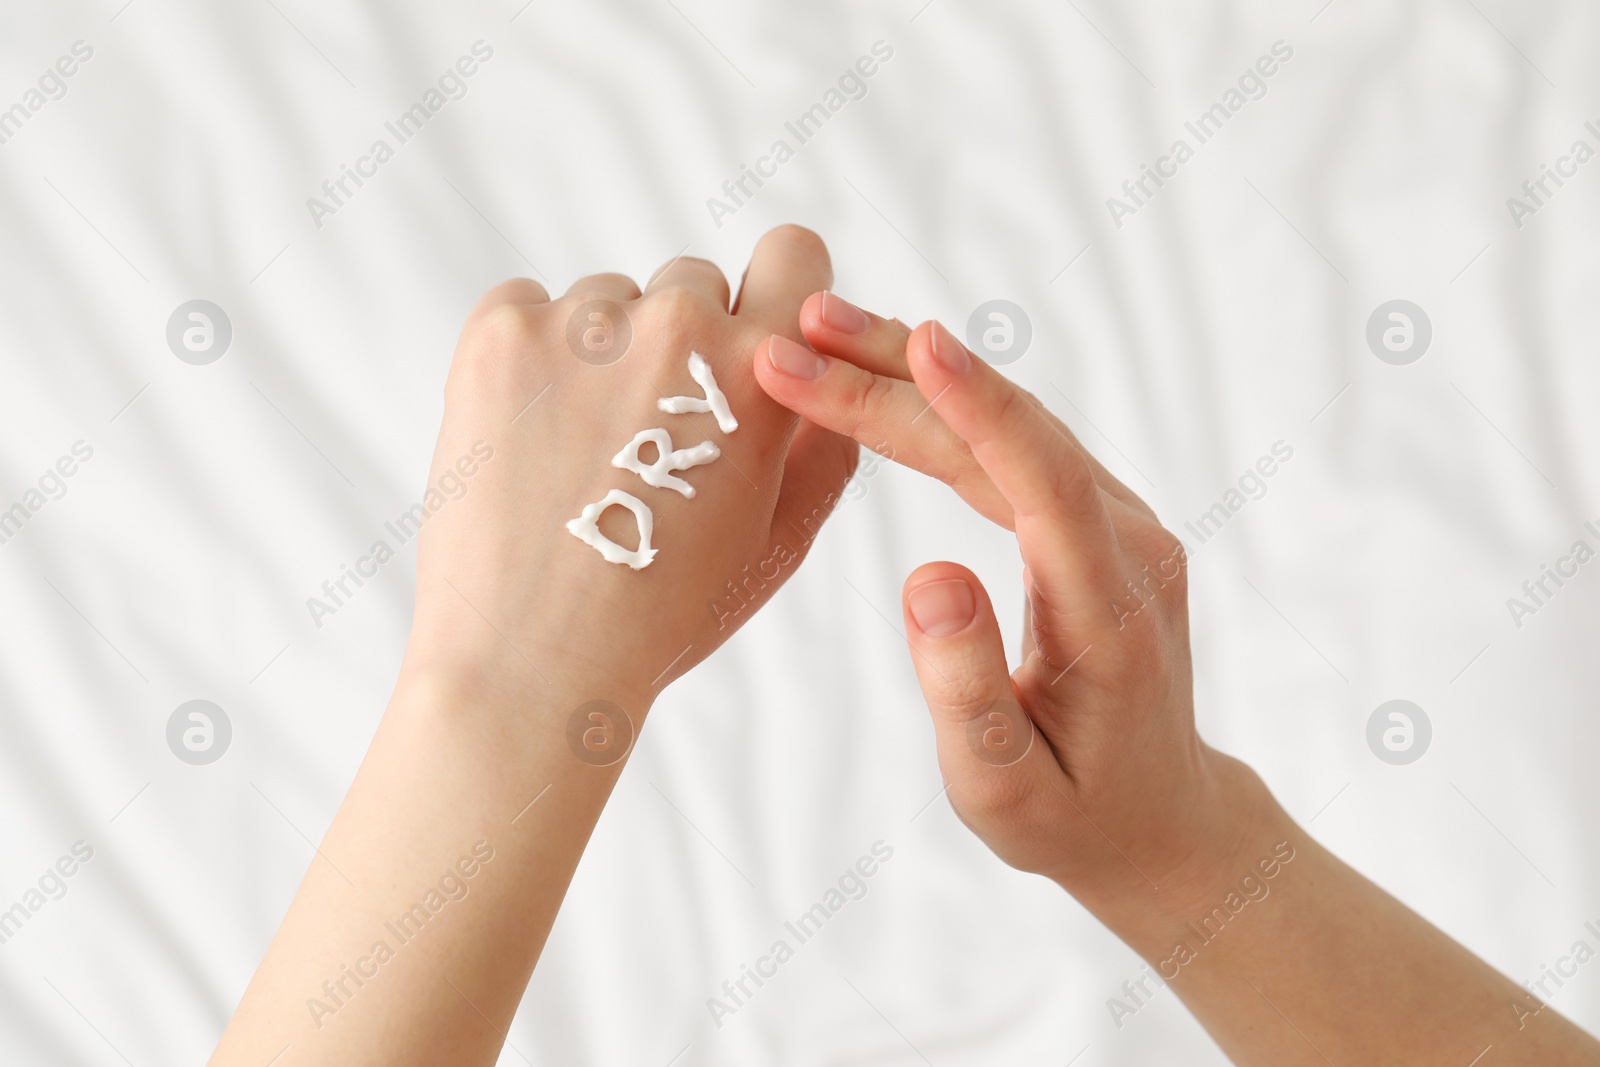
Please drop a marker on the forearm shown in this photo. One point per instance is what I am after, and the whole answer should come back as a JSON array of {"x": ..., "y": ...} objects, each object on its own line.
[
  {"x": 392, "y": 952},
  {"x": 1083, "y": 763},
  {"x": 1288, "y": 956},
  {"x": 539, "y": 641}
]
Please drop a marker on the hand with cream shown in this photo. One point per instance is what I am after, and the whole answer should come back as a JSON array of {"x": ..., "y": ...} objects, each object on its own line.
[
  {"x": 606, "y": 466},
  {"x": 627, "y": 488},
  {"x": 1083, "y": 764}
]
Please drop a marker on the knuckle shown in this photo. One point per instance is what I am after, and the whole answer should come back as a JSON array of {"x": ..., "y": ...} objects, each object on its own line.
[
  {"x": 1162, "y": 559},
  {"x": 1006, "y": 410},
  {"x": 1073, "y": 485},
  {"x": 680, "y": 304},
  {"x": 795, "y": 238},
  {"x": 868, "y": 398},
  {"x": 963, "y": 691},
  {"x": 1071, "y": 481},
  {"x": 948, "y": 458},
  {"x": 607, "y": 278},
  {"x": 522, "y": 290},
  {"x": 696, "y": 266},
  {"x": 679, "y": 319},
  {"x": 704, "y": 266},
  {"x": 496, "y": 345},
  {"x": 503, "y": 330},
  {"x": 1171, "y": 558}
]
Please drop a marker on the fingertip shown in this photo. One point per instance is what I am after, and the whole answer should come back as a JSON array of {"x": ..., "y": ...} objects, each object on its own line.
[
  {"x": 948, "y": 350},
  {"x": 942, "y": 600},
  {"x": 960, "y": 660},
  {"x": 937, "y": 357},
  {"x": 788, "y": 363},
  {"x": 812, "y": 325},
  {"x": 833, "y": 324},
  {"x": 919, "y": 353},
  {"x": 775, "y": 385},
  {"x": 938, "y": 571}
]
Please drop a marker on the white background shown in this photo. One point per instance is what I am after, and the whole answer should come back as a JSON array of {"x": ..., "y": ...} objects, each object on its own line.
[{"x": 1223, "y": 317}]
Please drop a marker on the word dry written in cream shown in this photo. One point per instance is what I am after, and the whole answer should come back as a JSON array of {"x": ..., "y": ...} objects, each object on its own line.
[
  {"x": 714, "y": 402},
  {"x": 659, "y": 474}
]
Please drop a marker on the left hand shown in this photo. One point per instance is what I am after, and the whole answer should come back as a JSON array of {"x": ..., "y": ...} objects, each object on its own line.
[{"x": 508, "y": 600}]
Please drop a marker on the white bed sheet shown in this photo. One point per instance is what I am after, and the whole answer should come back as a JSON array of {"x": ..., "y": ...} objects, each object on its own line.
[{"x": 1228, "y": 313}]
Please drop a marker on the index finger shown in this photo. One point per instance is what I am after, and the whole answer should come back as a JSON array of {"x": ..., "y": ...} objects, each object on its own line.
[{"x": 1063, "y": 525}]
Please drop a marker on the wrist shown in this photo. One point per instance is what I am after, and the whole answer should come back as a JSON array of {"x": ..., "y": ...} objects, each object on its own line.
[
  {"x": 1231, "y": 837},
  {"x": 501, "y": 692}
]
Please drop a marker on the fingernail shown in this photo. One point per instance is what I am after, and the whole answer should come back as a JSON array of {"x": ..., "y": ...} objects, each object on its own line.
[
  {"x": 950, "y": 352},
  {"x": 842, "y": 315},
  {"x": 941, "y": 609},
  {"x": 794, "y": 360}
]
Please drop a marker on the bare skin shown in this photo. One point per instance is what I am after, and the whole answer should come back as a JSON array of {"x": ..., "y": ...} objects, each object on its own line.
[
  {"x": 1083, "y": 764},
  {"x": 458, "y": 838},
  {"x": 421, "y": 918}
]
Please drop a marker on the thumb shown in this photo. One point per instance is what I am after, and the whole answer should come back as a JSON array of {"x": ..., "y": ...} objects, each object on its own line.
[{"x": 999, "y": 768}]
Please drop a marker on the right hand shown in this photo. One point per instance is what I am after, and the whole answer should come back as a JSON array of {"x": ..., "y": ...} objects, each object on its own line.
[{"x": 1083, "y": 764}]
